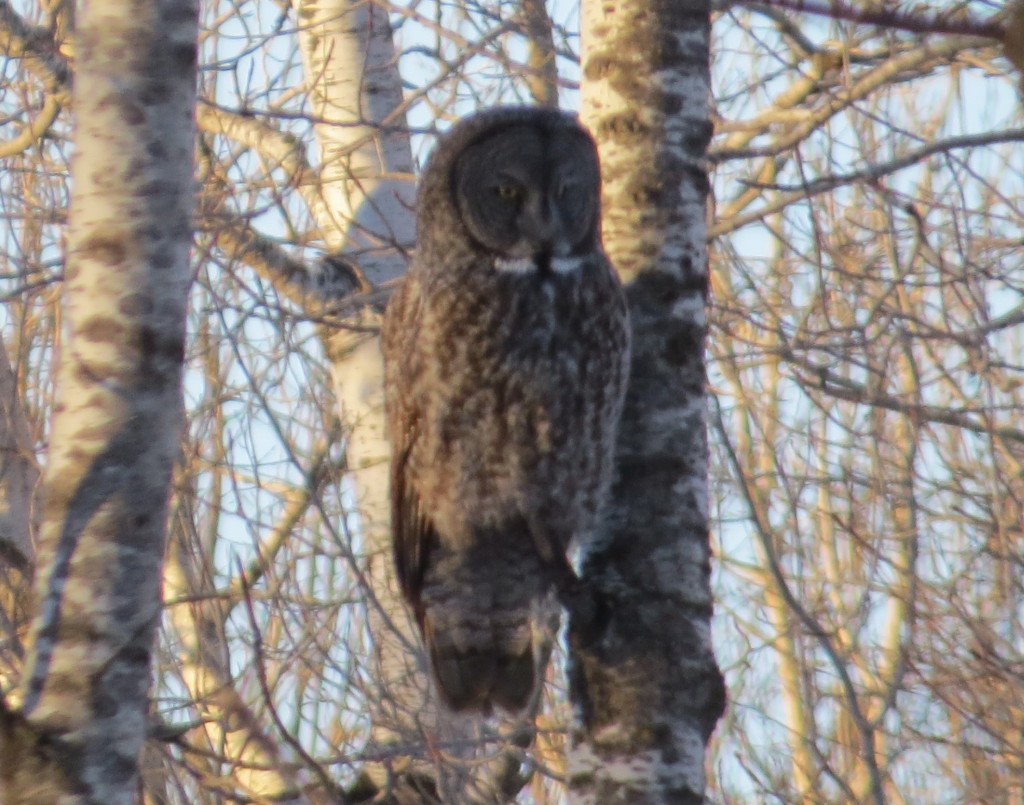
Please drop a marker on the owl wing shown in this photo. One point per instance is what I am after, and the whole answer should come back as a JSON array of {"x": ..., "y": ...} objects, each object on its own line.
[{"x": 412, "y": 531}]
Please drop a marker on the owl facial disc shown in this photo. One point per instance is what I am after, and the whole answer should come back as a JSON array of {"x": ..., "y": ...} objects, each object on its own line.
[{"x": 529, "y": 197}]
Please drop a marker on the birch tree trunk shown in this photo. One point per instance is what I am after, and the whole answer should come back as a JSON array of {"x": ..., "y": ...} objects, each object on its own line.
[
  {"x": 74, "y": 731},
  {"x": 365, "y": 213},
  {"x": 643, "y": 677},
  {"x": 355, "y": 91}
]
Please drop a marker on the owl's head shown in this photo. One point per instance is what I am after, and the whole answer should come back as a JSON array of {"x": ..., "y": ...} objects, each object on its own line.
[{"x": 520, "y": 184}]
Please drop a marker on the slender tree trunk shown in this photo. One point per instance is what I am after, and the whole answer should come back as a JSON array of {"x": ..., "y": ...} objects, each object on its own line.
[
  {"x": 355, "y": 91},
  {"x": 366, "y": 214},
  {"x": 643, "y": 675},
  {"x": 355, "y": 94},
  {"x": 19, "y": 475},
  {"x": 542, "y": 78},
  {"x": 74, "y": 732}
]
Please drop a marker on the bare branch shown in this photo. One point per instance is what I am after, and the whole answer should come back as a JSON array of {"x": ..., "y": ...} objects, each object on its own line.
[{"x": 954, "y": 22}]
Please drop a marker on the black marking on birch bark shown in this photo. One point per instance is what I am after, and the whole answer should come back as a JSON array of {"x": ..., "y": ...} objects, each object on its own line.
[{"x": 112, "y": 471}]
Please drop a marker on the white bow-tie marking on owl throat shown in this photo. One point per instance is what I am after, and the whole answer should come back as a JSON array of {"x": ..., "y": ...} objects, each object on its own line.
[{"x": 527, "y": 265}]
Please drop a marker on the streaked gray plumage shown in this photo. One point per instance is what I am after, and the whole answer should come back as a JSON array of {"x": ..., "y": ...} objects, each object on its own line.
[{"x": 506, "y": 353}]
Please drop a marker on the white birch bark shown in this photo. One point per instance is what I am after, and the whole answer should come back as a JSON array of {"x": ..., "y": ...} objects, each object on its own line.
[
  {"x": 644, "y": 679},
  {"x": 80, "y": 716},
  {"x": 365, "y": 212},
  {"x": 366, "y": 171}
]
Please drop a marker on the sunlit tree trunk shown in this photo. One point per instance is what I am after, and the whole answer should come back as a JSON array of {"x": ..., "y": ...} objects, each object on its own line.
[
  {"x": 79, "y": 718},
  {"x": 231, "y": 731},
  {"x": 643, "y": 676},
  {"x": 543, "y": 76},
  {"x": 354, "y": 89}
]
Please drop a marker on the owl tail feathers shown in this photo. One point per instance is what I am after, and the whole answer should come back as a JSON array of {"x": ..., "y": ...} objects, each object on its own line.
[{"x": 481, "y": 677}]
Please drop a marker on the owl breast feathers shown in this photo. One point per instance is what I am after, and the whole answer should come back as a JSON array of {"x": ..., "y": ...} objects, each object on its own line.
[{"x": 506, "y": 353}]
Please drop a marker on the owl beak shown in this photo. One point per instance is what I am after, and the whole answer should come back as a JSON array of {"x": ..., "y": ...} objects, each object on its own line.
[
  {"x": 536, "y": 223},
  {"x": 542, "y": 226}
]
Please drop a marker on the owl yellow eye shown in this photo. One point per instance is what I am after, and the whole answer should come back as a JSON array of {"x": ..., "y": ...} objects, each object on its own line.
[{"x": 508, "y": 192}]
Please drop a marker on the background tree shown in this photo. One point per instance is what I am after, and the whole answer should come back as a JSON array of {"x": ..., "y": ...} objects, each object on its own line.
[{"x": 865, "y": 346}]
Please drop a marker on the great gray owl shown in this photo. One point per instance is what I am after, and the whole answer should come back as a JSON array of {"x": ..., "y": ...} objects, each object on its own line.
[{"x": 506, "y": 353}]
